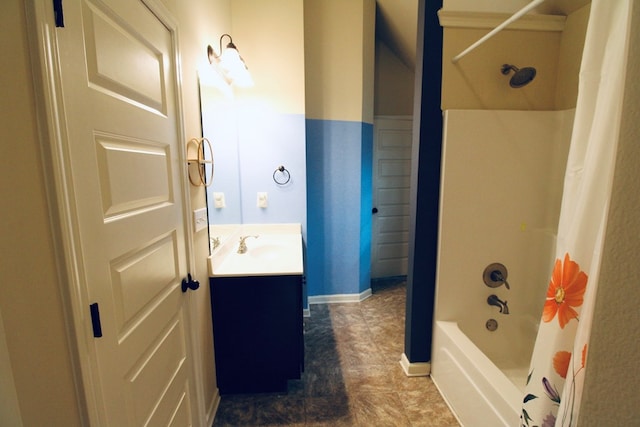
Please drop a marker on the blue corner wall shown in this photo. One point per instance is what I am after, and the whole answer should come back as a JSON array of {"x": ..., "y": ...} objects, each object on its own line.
[
  {"x": 339, "y": 196},
  {"x": 366, "y": 204}
]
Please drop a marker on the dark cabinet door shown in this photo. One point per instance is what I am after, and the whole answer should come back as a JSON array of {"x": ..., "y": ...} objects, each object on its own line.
[{"x": 257, "y": 327}]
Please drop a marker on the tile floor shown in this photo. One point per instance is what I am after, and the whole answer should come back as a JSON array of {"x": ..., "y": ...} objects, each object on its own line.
[{"x": 352, "y": 375}]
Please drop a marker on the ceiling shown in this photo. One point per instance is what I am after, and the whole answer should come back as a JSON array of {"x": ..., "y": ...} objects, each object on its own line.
[
  {"x": 396, "y": 26},
  {"x": 396, "y": 20}
]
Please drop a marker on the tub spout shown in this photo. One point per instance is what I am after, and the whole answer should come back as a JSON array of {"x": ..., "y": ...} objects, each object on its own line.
[{"x": 502, "y": 305}]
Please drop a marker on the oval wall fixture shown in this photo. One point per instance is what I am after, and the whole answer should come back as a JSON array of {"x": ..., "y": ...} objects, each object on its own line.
[{"x": 200, "y": 161}]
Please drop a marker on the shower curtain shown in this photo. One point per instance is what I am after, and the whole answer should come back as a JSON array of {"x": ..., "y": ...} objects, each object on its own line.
[{"x": 560, "y": 356}]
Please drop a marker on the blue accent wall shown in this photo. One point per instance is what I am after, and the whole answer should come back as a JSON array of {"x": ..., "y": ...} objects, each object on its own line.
[
  {"x": 366, "y": 204},
  {"x": 267, "y": 142},
  {"x": 338, "y": 206}
]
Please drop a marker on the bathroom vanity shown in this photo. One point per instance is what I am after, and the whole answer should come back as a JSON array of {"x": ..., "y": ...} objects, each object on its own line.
[{"x": 256, "y": 305}]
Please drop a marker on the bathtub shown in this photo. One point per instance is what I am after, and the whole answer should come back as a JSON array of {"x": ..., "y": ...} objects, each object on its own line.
[
  {"x": 482, "y": 374},
  {"x": 501, "y": 188}
]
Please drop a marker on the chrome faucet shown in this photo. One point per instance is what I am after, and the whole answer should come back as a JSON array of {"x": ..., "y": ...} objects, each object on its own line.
[
  {"x": 242, "y": 247},
  {"x": 494, "y": 300},
  {"x": 214, "y": 242}
]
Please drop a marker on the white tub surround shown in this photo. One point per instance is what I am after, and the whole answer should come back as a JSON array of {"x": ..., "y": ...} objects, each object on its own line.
[
  {"x": 502, "y": 174},
  {"x": 271, "y": 250}
]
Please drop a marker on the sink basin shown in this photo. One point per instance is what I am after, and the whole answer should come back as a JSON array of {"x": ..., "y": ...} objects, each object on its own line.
[
  {"x": 274, "y": 252},
  {"x": 268, "y": 252}
]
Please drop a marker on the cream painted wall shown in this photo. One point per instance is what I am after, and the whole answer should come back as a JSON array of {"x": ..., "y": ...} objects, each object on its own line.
[
  {"x": 201, "y": 23},
  {"x": 505, "y": 6},
  {"x": 30, "y": 298},
  {"x": 475, "y": 82},
  {"x": 512, "y": 6},
  {"x": 368, "y": 59},
  {"x": 37, "y": 335},
  {"x": 611, "y": 380},
  {"x": 260, "y": 30},
  {"x": 569, "y": 58},
  {"x": 336, "y": 33},
  {"x": 394, "y": 84},
  {"x": 396, "y": 25}
]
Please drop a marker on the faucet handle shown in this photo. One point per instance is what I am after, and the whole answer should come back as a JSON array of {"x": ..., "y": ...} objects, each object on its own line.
[{"x": 495, "y": 275}]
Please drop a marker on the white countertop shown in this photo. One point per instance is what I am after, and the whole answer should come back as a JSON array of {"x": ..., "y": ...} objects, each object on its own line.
[{"x": 276, "y": 251}]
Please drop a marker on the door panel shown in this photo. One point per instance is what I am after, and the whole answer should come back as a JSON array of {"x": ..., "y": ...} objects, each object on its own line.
[
  {"x": 141, "y": 278},
  {"x": 119, "y": 88},
  {"x": 120, "y": 161},
  {"x": 137, "y": 75},
  {"x": 392, "y": 172}
]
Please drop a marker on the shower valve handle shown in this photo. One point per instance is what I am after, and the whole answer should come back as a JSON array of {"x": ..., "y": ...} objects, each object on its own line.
[{"x": 495, "y": 275}]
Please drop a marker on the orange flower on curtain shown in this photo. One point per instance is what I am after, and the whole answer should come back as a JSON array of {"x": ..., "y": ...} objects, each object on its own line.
[
  {"x": 561, "y": 363},
  {"x": 566, "y": 291}
]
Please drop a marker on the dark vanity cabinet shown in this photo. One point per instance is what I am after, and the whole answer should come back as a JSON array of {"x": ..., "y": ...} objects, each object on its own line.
[{"x": 258, "y": 332}]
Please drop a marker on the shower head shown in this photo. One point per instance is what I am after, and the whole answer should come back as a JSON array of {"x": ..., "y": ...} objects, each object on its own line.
[{"x": 521, "y": 76}]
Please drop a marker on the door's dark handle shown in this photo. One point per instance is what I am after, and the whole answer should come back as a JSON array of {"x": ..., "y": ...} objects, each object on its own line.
[
  {"x": 189, "y": 283},
  {"x": 374, "y": 211}
]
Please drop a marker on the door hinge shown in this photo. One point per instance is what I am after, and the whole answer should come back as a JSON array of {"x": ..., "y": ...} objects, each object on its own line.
[
  {"x": 58, "y": 13},
  {"x": 95, "y": 320}
]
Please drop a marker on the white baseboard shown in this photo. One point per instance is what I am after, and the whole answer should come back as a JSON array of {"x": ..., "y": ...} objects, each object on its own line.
[
  {"x": 213, "y": 408},
  {"x": 306, "y": 312},
  {"x": 417, "y": 369},
  {"x": 340, "y": 298}
]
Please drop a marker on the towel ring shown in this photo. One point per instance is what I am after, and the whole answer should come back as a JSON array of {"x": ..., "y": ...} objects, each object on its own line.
[
  {"x": 281, "y": 175},
  {"x": 201, "y": 162}
]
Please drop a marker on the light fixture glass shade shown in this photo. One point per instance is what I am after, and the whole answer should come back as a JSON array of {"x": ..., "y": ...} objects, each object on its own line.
[
  {"x": 234, "y": 68},
  {"x": 230, "y": 64}
]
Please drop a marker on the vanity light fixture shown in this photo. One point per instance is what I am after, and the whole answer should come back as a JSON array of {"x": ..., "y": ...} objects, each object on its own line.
[{"x": 231, "y": 64}]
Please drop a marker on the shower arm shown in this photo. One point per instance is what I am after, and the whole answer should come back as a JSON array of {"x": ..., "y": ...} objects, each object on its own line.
[{"x": 499, "y": 28}]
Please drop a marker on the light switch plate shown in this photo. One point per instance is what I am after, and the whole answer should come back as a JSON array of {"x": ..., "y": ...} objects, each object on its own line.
[
  {"x": 200, "y": 221},
  {"x": 262, "y": 199}
]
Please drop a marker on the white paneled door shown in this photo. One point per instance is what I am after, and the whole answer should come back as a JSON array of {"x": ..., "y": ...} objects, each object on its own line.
[
  {"x": 391, "y": 177},
  {"x": 123, "y": 131}
]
